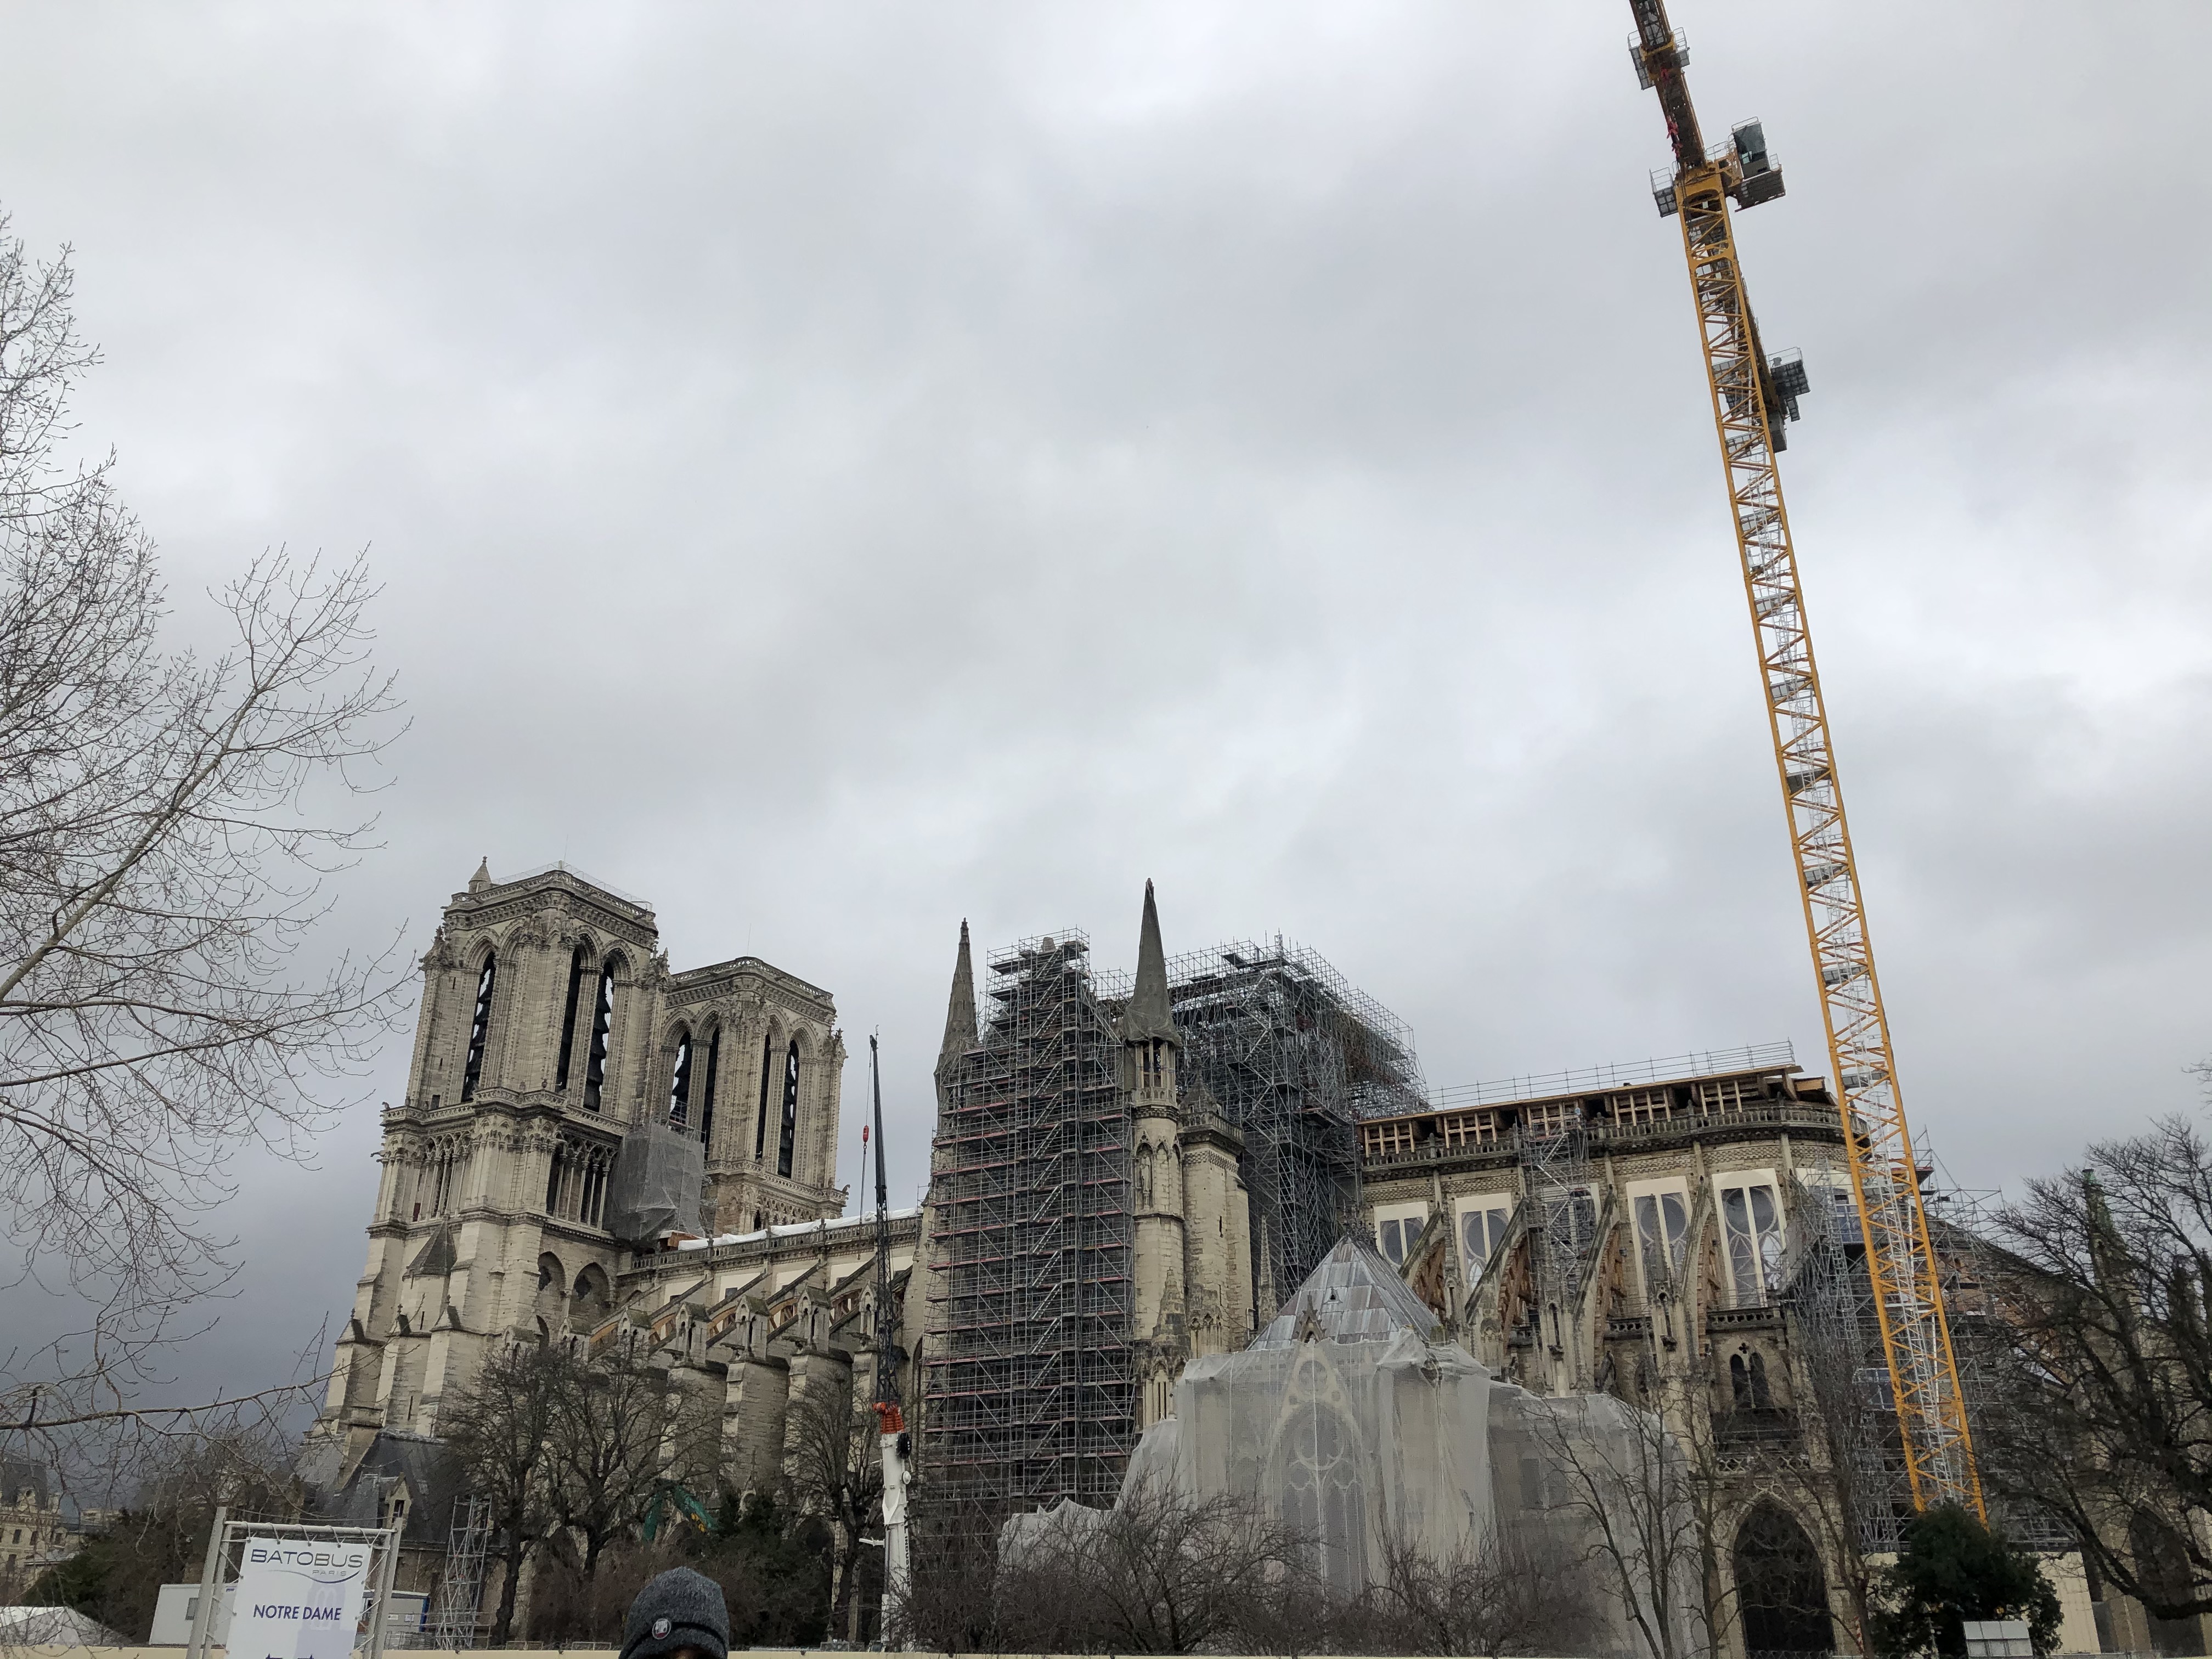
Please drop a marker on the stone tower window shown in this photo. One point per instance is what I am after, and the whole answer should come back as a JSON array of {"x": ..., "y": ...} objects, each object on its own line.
[
  {"x": 577, "y": 970},
  {"x": 760, "y": 1130},
  {"x": 680, "y": 1085},
  {"x": 707, "y": 1094},
  {"x": 479, "y": 1028},
  {"x": 603, "y": 1021},
  {"x": 788, "y": 1144}
]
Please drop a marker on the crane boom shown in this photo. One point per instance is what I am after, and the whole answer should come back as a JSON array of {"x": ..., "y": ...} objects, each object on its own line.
[{"x": 1751, "y": 398}]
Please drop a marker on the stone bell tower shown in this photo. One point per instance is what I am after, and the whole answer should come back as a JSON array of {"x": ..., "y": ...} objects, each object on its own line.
[{"x": 555, "y": 1050}]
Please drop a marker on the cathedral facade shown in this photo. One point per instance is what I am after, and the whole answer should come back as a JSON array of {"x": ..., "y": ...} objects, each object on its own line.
[{"x": 554, "y": 1046}]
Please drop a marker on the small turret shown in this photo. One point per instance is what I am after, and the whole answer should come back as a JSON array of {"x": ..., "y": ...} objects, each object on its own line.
[
  {"x": 1149, "y": 1015},
  {"x": 1148, "y": 1031},
  {"x": 959, "y": 1009},
  {"x": 481, "y": 880}
]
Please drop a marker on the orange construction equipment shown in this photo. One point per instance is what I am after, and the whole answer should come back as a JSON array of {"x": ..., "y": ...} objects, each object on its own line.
[{"x": 1753, "y": 396}]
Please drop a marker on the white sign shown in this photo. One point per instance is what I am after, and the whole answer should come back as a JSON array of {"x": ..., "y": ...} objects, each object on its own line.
[{"x": 298, "y": 1599}]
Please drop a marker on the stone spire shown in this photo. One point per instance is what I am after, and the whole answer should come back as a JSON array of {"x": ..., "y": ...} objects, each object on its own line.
[
  {"x": 482, "y": 879},
  {"x": 1148, "y": 1015},
  {"x": 959, "y": 1008}
]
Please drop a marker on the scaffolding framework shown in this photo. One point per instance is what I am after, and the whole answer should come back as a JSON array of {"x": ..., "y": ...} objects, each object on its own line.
[
  {"x": 460, "y": 1586},
  {"x": 1029, "y": 1375},
  {"x": 1030, "y": 1385},
  {"x": 1293, "y": 1054}
]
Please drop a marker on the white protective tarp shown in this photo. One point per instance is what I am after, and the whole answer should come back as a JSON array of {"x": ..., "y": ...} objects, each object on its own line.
[
  {"x": 1351, "y": 1420},
  {"x": 1343, "y": 1418}
]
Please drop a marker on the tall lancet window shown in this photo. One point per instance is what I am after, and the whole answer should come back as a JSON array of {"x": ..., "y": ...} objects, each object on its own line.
[
  {"x": 707, "y": 1094},
  {"x": 479, "y": 1028},
  {"x": 790, "y": 1142},
  {"x": 680, "y": 1085},
  {"x": 768, "y": 1068},
  {"x": 576, "y": 971},
  {"x": 603, "y": 1022}
]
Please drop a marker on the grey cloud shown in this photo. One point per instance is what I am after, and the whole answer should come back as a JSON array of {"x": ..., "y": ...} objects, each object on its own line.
[{"x": 839, "y": 470}]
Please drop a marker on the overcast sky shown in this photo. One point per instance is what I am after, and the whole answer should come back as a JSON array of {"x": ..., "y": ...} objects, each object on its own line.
[{"x": 836, "y": 470}]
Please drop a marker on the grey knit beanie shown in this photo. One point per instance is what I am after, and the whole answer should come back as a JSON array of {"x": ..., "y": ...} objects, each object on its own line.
[{"x": 681, "y": 1608}]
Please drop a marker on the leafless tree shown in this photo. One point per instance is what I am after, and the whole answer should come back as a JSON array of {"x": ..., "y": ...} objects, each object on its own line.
[
  {"x": 1500, "y": 1598},
  {"x": 950, "y": 1601},
  {"x": 607, "y": 1449},
  {"x": 161, "y": 1535},
  {"x": 2096, "y": 1321},
  {"x": 833, "y": 1467},
  {"x": 1160, "y": 1573},
  {"x": 500, "y": 1430},
  {"x": 165, "y": 834},
  {"x": 1619, "y": 1486}
]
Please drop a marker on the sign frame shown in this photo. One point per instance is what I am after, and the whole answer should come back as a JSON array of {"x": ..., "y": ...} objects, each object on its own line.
[{"x": 226, "y": 1538}]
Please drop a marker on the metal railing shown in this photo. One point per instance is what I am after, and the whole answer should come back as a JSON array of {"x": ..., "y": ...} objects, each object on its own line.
[{"x": 1712, "y": 1062}]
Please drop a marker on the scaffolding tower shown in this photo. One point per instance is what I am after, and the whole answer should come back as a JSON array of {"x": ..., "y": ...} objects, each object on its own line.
[
  {"x": 1564, "y": 1217},
  {"x": 1029, "y": 1383},
  {"x": 1030, "y": 1377},
  {"x": 1831, "y": 1295},
  {"x": 1291, "y": 1053},
  {"x": 460, "y": 1586}
]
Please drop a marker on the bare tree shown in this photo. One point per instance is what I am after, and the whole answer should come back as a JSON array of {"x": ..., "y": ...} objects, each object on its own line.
[
  {"x": 608, "y": 1450},
  {"x": 1500, "y": 1598},
  {"x": 500, "y": 1430},
  {"x": 164, "y": 845},
  {"x": 1621, "y": 1482},
  {"x": 833, "y": 1467},
  {"x": 2097, "y": 1328},
  {"x": 952, "y": 1605},
  {"x": 160, "y": 1536},
  {"x": 1160, "y": 1573}
]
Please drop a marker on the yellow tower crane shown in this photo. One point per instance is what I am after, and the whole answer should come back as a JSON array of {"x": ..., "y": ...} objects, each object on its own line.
[{"x": 1753, "y": 396}]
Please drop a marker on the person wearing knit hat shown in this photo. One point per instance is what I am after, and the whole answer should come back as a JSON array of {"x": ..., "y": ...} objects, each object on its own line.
[{"x": 679, "y": 1612}]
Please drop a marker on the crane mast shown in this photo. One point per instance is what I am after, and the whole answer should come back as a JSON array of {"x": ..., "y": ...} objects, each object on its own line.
[{"x": 1753, "y": 398}]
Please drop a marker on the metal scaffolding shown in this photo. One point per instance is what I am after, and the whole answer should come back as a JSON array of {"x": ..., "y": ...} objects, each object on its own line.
[
  {"x": 1030, "y": 1382},
  {"x": 1029, "y": 1379},
  {"x": 453, "y": 1620},
  {"x": 1293, "y": 1054},
  {"x": 1831, "y": 1295}
]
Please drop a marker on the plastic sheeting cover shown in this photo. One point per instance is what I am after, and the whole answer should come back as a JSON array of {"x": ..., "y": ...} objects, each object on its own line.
[
  {"x": 1343, "y": 1418},
  {"x": 659, "y": 1174},
  {"x": 1350, "y": 1420}
]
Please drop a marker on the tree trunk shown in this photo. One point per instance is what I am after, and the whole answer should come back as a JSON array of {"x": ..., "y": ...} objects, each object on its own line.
[{"x": 502, "y": 1628}]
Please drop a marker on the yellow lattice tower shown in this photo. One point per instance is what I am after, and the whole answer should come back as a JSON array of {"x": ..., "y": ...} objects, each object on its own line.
[{"x": 1753, "y": 396}]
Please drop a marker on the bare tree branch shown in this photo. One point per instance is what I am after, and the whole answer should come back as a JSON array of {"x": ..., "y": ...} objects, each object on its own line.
[{"x": 165, "y": 845}]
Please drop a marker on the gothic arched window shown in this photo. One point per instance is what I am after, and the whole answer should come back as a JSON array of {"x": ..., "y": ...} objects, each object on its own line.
[
  {"x": 603, "y": 1021},
  {"x": 768, "y": 1064},
  {"x": 788, "y": 1144},
  {"x": 679, "y": 1084},
  {"x": 577, "y": 966},
  {"x": 480, "y": 1027},
  {"x": 1780, "y": 1585},
  {"x": 707, "y": 1094}
]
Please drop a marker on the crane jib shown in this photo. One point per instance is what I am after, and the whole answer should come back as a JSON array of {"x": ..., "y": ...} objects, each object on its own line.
[{"x": 1753, "y": 396}]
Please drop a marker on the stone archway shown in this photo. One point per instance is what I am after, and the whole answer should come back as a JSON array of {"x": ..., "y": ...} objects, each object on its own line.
[{"x": 1781, "y": 1591}]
